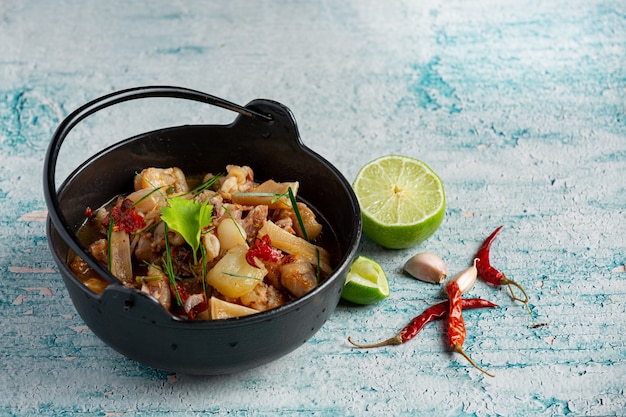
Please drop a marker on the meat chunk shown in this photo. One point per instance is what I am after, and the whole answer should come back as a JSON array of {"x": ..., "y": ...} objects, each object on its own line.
[
  {"x": 100, "y": 250},
  {"x": 312, "y": 227},
  {"x": 174, "y": 238},
  {"x": 254, "y": 221},
  {"x": 211, "y": 246},
  {"x": 238, "y": 180},
  {"x": 284, "y": 220},
  {"x": 157, "y": 285},
  {"x": 162, "y": 177},
  {"x": 263, "y": 297},
  {"x": 297, "y": 275},
  {"x": 144, "y": 249}
]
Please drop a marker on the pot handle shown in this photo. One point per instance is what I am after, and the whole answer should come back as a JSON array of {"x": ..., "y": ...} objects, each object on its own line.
[{"x": 49, "y": 181}]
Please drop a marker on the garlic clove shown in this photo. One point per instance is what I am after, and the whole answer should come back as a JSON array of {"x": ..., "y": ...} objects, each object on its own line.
[
  {"x": 466, "y": 278},
  {"x": 427, "y": 267}
]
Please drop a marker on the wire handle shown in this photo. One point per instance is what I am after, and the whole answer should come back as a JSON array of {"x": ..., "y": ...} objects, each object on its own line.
[{"x": 49, "y": 181}]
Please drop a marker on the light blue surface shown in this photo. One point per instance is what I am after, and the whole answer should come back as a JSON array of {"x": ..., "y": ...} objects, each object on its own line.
[{"x": 518, "y": 105}]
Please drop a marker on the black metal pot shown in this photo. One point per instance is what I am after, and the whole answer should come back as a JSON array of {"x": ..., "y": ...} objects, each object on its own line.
[{"x": 264, "y": 136}]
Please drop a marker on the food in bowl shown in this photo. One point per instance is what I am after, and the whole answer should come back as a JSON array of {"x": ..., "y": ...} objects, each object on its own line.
[
  {"x": 208, "y": 248},
  {"x": 263, "y": 136}
]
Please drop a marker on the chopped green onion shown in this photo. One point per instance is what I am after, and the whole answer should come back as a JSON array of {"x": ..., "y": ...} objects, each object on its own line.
[
  {"x": 146, "y": 278},
  {"x": 169, "y": 268},
  {"x": 204, "y": 270},
  {"x": 205, "y": 185},
  {"x": 146, "y": 196},
  {"x": 154, "y": 188},
  {"x": 276, "y": 196},
  {"x": 231, "y": 274},
  {"x": 294, "y": 205},
  {"x": 235, "y": 221}
]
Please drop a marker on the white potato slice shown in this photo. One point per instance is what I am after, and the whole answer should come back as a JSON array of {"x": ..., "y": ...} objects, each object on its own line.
[
  {"x": 221, "y": 309},
  {"x": 233, "y": 276}
]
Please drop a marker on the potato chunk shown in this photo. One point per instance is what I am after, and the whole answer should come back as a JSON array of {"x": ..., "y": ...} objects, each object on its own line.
[
  {"x": 221, "y": 309},
  {"x": 121, "y": 264},
  {"x": 233, "y": 276},
  {"x": 295, "y": 245}
]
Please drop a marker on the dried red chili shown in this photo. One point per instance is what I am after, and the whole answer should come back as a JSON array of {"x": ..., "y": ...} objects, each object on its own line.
[
  {"x": 456, "y": 324},
  {"x": 125, "y": 218},
  {"x": 432, "y": 313},
  {"x": 263, "y": 250},
  {"x": 493, "y": 276}
]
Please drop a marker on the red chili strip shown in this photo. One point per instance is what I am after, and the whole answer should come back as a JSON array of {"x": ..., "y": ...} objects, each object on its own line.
[
  {"x": 456, "y": 324},
  {"x": 493, "y": 276},
  {"x": 263, "y": 250},
  {"x": 432, "y": 313}
]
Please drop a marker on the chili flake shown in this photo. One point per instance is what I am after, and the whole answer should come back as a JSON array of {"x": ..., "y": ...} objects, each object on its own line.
[
  {"x": 125, "y": 218},
  {"x": 263, "y": 250}
]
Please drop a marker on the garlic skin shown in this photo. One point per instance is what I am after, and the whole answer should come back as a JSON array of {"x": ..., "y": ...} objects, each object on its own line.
[
  {"x": 427, "y": 267},
  {"x": 466, "y": 278}
]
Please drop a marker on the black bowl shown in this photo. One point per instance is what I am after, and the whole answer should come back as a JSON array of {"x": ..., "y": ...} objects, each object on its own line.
[{"x": 264, "y": 136}]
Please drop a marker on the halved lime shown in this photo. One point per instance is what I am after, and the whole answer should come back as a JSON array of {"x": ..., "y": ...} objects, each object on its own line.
[
  {"x": 366, "y": 282},
  {"x": 402, "y": 201}
]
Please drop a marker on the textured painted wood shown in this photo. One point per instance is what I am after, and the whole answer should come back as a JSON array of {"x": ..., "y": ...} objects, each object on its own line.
[{"x": 518, "y": 105}]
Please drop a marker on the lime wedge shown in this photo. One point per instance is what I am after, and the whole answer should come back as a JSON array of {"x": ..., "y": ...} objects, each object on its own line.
[
  {"x": 402, "y": 201},
  {"x": 366, "y": 282}
]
